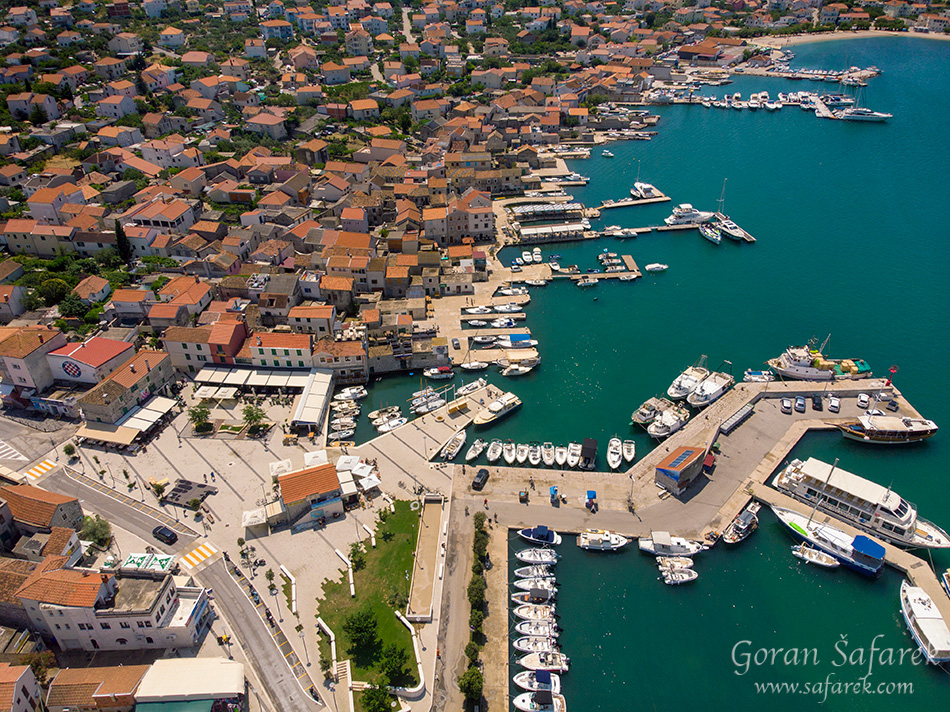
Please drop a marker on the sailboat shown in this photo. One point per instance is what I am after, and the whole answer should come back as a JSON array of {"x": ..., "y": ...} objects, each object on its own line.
[{"x": 725, "y": 225}]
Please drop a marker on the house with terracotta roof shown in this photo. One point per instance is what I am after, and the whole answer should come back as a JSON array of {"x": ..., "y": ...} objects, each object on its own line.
[
  {"x": 89, "y": 361},
  {"x": 92, "y": 289},
  {"x": 95, "y": 688},
  {"x": 11, "y": 302},
  {"x": 347, "y": 359},
  {"x": 130, "y": 305},
  {"x": 59, "y": 541},
  {"x": 19, "y": 690},
  {"x": 309, "y": 495},
  {"x": 267, "y": 124},
  {"x": 23, "y": 365},
  {"x": 138, "y": 379},
  {"x": 318, "y": 319},
  {"x": 36, "y": 510},
  {"x": 191, "y": 348}
]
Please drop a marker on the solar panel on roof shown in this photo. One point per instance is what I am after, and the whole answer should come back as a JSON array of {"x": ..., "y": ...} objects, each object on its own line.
[{"x": 682, "y": 458}]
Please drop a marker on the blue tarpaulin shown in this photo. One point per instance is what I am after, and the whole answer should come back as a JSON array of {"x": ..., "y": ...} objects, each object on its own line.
[
  {"x": 868, "y": 547},
  {"x": 591, "y": 494}
]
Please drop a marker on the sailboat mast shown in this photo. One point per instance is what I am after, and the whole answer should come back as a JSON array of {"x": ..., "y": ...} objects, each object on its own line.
[
  {"x": 722, "y": 195},
  {"x": 818, "y": 501}
]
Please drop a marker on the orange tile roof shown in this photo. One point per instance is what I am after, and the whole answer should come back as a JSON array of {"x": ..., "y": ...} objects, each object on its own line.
[
  {"x": 33, "y": 505},
  {"x": 53, "y": 584},
  {"x": 25, "y": 341},
  {"x": 297, "y": 486},
  {"x": 338, "y": 284},
  {"x": 78, "y": 687},
  {"x": 136, "y": 368}
]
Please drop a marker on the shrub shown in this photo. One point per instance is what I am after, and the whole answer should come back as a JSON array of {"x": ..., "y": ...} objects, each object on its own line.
[
  {"x": 470, "y": 683},
  {"x": 476, "y": 592}
]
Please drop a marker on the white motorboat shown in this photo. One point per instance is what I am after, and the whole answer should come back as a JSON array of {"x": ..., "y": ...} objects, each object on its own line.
[
  {"x": 429, "y": 406},
  {"x": 342, "y": 423},
  {"x": 728, "y": 228},
  {"x": 536, "y": 256},
  {"x": 510, "y": 451},
  {"x": 573, "y": 454},
  {"x": 423, "y": 399},
  {"x": 494, "y": 451},
  {"x": 600, "y": 540},
  {"x": 453, "y": 446},
  {"x": 502, "y": 323},
  {"x": 439, "y": 373},
  {"x": 526, "y": 257},
  {"x": 391, "y": 425},
  {"x": 534, "y": 454},
  {"x": 547, "y": 629},
  {"x": 548, "y": 557},
  {"x": 478, "y": 310},
  {"x": 534, "y": 571},
  {"x": 560, "y": 455},
  {"x": 587, "y": 282},
  {"x": 521, "y": 453},
  {"x": 498, "y": 408},
  {"x": 547, "y": 454},
  {"x": 512, "y": 291},
  {"x": 388, "y": 410},
  {"x": 686, "y": 214},
  {"x": 675, "y": 577},
  {"x": 534, "y": 681},
  {"x": 474, "y": 365},
  {"x": 662, "y": 544},
  {"x": 535, "y": 596},
  {"x": 629, "y": 450},
  {"x": 674, "y": 562},
  {"x": 352, "y": 393},
  {"x": 656, "y": 267},
  {"x": 553, "y": 662},
  {"x": 545, "y": 584},
  {"x": 606, "y": 154},
  {"x": 521, "y": 368},
  {"x": 509, "y": 308},
  {"x": 479, "y": 323},
  {"x": 926, "y": 625},
  {"x": 667, "y": 423},
  {"x": 711, "y": 389},
  {"x": 535, "y": 644},
  {"x": 614, "y": 453},
  {"x": 535, "y": 611},
  {"x": 469, "y": 388},
  {"x": 540, "y": 701},
  {"x": 382, "y": 420},
  {"x": 484, "y": 339},
  {"x": 536, "y": 282},
  {"x": 341, "y": 434},
  {"x": 815, "y": 556},
  {"x": 751, "y": 376},
  {"x": 476, "y": 449},
  {"x": 540, "y": 535},
  {"x": 424, "y": 393},
  {"x": 509, "y": 343},
  {"x": 858, "y": 113},
  {"x": 643, "y": 190},
  {"x": 689, "y": 380},
  {"x": 860, "y": 553}
]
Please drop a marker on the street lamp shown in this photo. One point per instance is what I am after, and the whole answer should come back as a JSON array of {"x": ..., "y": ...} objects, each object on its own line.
[{"x": 306, "y": 652}]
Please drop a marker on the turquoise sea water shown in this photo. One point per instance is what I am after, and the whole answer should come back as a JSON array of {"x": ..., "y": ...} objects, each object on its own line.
[{"x": 851, "y": 242}]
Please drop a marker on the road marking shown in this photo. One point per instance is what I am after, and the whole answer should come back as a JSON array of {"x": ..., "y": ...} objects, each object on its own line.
[
  {"x": 10, "y": 453},
  {"x": 198, "y": 554},
  {"x": 39, "y": 470}
]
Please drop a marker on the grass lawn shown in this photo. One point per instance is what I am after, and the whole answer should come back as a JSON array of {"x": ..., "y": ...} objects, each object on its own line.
[
  {"x": 382, "y": 585},
  {"x": 287, "y": 588}
]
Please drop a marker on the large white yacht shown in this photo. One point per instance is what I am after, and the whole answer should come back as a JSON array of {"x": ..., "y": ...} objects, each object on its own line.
[
  {"x": 857, "y": 113},
  {"x": 498, "y": 408},
  {"x": 686, "y": 214},
  {"x": 863, "y": 504}
]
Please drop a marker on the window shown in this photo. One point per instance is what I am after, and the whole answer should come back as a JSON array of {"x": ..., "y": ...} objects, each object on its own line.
[
  {"x": 125, "y": 625},
  {"x": 121, "y": 641},
  {"x": 105, "y": 626}
]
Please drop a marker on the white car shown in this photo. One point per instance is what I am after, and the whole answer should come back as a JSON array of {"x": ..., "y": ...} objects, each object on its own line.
[
  {"x": 834, "y": 404},
  {"x": 864, "y": 400},
  {"x": 786, "y": 405}
]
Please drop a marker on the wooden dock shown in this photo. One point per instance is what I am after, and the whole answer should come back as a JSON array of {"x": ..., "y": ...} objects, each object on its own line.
[
  {"x": 631, "y": 266},
  {"x": 821, "y": 109},
  {"x": 629, "y": 202}
]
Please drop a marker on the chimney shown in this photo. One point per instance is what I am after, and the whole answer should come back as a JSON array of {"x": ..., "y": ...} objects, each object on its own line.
[
  {"x": 196, "y": 279},
  {"x": 258, "y": 340},
  {"x": 147, "y": 366},
  {"x": 41, "y": 338},
  {"x": 132, "y": 368}
]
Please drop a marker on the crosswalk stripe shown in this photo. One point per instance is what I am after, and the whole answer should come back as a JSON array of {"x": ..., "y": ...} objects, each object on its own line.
[
  {"x": 10, "y": 453},
  {"x": 198, "y": 554},
  {"x": 41, "y": 469}
]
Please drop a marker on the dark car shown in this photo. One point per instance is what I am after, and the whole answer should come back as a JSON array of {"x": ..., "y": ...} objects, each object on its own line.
[
  {"x": 816, "y": 402},
  {"x": 481, "y": 477},
  {"x": 165, "y": 535},
  {"x": 893, "y": 406}
]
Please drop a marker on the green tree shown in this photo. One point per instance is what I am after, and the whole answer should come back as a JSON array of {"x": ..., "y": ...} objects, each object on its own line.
[
  {"x": 32, "y": 300},
  {"x": 122, "y": 244},
  {"x": 38, "y": 116},
  {"x": 392, "y": 662},
  {"x": 476, "y": 591},
  {"x": 199, "y": 415},
  {"x": 96, "y": 529},
  {"x": 376, "y": 699},
  {"x": 41, "y": 663},
  {"x": 69, "y": 450},
  {"x": 72, "y": 306},
  {"x": 253, "y": 415},
  {"x": 471, "y": 682},
  {"x": 360, "y": 627},
  {"x": 53, "y": 290}
]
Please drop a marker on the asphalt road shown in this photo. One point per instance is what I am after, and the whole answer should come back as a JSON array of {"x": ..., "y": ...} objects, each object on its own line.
[{"x": 256, "y": 640}]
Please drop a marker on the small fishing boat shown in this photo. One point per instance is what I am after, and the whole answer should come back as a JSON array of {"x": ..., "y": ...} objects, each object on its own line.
[
  {"x": 646, "y": 413},
  {"x": 476, "y": 449},
  {"x": 573, "y": 454},
  {"x": 548, "y": 628},
  {"x": 484, "y": 339},
  {"x": 548, "y": 557},
  {"x": 474, "y": 365},
  {"x": 428, "y": 406},
  {"x": 519, "y": 343},
  {"x": 509, "y": 308},
  {"x": 606, "y": 154},
  {"x": 614, "y": 453},
  {"x": 469, "y": 388},
  {"x": 383, "y": 419},
  {"x": 629, "y": 450},
  {"x": 392, "y": 424},
  {"x": 552, "y": 662},
  {"x": 668, "y": 422},
  {"x": 675, "y": 577},
  {"x": 479, "y": 323},
  {"x": 389, "y": 410},
  {"x": 494, "y": 451},
  {"x": 534, "y": 571},
  {"x": 547, "y": 584},
  {"x": 424, "y": 393},
  {"x": 352, "y": 393},
  {"x": 510, "y": 451},
  {"x": 751, "y": 376},
  {"x": 540, "y": 535},
  {"x": 662, "y": 544},
  {"x": 656, "y": 267},
  {"x": 560, "y": 455},
  {"x": 341, "y": 434},
  {"x": 479, "y": 310},
  {"x": 547, "y": 454},
  {"x": 453, "y": 446},
  {"x": 535, "y": 612},
  {"x": 601, "y": 540},
  {"x": 540, "y": 701},
  {"x": 533, "y": 681},
  {"x": 926, "y": 625},
  {"x": 674, "y": 562},
  {"x": 439, "y": 373},
  {"x": 536, "y": 282},
  {"x": 343, "y": 423},
  {"x": 535, "y": 596},
  {"x": 811, "y": 555},
  {"x": 710, "y": 232},
  {"x": 535, "y": 644},
  {"x": 746, "y": 522},
  {"x": 521, "y": 453},
  {"x": 534, "y": 454}
]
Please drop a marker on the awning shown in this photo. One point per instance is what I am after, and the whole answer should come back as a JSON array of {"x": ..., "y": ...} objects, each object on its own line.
[
  {"x": 105, "y": 433},
  {"x": 237, "y": 377},
  {"x": 347, "y": 462},
  {"x": 182, "y": 706},
  {"x": 298, "y": 380},
  {"x": 277, "y": 379},
  {"x": 868, "y": 547},
  {"x": 206, "y": 392},
  {"x": 315, "y": 458},
  {"x": 212, "y": 374},
  {"x": 226, "y": 393},
  {"x": 662, "y": 538},
  {"x": 160, "y": 404},
  {"x": 258, "y": 378},
  {"x": 368, "y": 483},
  {"x": 136, "y": 423},
  {"x": 253, "y": 518},
  {"x": 348, "y": 488},
  {"x": 589, "y": 448}
]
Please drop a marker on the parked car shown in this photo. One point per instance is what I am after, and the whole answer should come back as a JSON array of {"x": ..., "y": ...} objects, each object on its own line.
[
  {"x": 455, "y": 344},
  {"x": 816, "y": 402},
  {"x": 864, "y": 400},
  {"x": 165, "y": 535},
  {"x": 481, "y": 478},
  {"x": 893, "y": 406},
  {"x": 786, "y": 405},
  {"x": 800, "y": 404},
  {"x": 834, "y": 404}
]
